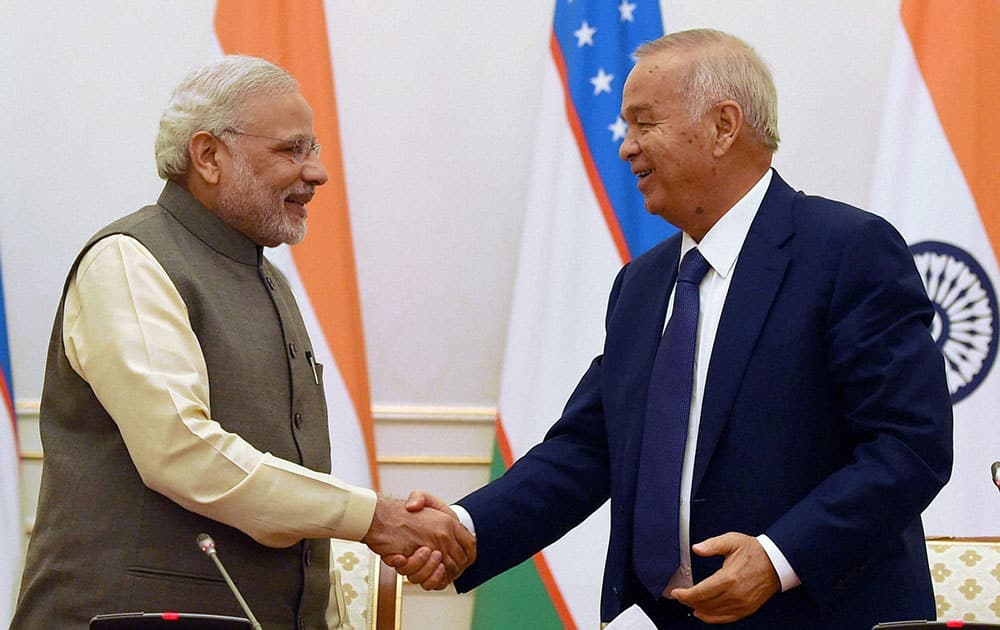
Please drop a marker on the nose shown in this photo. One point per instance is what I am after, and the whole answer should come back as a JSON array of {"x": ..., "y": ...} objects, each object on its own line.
[
  {"x": 629, "y": 148},
  {"x": 313, "y": 171}
]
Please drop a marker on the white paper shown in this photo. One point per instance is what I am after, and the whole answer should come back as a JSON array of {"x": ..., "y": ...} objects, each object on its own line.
[{"x": 632, "y": 619}]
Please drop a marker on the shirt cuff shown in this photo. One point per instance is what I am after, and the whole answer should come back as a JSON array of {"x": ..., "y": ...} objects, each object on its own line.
[
  {"x": 464, "y": 518},
  {"x": 786, "y": 574}
]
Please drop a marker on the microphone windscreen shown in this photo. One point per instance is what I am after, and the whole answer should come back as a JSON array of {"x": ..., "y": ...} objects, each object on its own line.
[{"x": 205, "y": 543}]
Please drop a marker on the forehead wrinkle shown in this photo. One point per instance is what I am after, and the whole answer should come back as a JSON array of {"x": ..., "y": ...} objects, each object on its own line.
[{"x": 635, "y": 108}]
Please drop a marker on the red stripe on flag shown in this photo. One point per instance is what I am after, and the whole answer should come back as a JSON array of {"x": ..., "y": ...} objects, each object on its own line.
[
  {"x": 292, "y": 33},
  {"x": 504, "y": 444},
  {"x": 957, "y": 47},
  {"x": 8, "y": 403},
  {"x": 588, "y": 160},
  {"x": 541, "y": 565}
]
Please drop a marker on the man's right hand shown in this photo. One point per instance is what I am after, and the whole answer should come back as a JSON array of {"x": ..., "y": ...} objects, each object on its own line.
[{"x": 430, "y": 547}]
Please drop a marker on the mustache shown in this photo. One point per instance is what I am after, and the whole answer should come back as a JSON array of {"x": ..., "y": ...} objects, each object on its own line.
[{"x": 302, "y": 194}]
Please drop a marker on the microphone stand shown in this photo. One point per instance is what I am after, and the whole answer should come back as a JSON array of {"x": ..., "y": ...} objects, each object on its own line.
[{"x": 207, "y": 545}]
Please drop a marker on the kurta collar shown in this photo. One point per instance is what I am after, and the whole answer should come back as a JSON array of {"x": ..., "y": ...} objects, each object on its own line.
[{"x": 207, "y": 227}]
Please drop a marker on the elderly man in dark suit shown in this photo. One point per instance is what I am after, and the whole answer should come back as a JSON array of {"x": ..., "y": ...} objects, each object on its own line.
[{"x": 768, "y": 456}]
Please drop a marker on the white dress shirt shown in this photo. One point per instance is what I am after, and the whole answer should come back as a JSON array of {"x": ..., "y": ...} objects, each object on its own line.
[
  {"x": 721, "y": 248},
  {"x": 126, "y": 332}
]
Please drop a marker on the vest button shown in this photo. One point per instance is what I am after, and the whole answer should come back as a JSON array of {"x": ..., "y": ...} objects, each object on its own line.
[
  {"x": 298, "y": 420},
  {"x": 308, "y": 557},
  {"x": 291, "y": 350}
]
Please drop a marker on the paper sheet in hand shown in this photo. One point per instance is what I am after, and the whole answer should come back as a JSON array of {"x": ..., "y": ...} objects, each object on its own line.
[{"x": 632, "y": 619}]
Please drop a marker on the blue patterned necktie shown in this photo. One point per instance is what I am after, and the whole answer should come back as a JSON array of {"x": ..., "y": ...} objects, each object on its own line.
[{"x": 655, "y": 539}]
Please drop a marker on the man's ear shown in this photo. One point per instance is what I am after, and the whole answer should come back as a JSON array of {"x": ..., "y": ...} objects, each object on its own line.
[
  {"x": 204, "y": 152},
  {"x": 728, "y": 118}
]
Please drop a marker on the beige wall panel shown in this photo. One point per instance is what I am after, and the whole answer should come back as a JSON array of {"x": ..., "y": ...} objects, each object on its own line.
[{"x": 441, "y": 610}]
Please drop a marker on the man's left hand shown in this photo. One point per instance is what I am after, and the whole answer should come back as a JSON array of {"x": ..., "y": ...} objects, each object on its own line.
[{"x": 746, "y": 580}]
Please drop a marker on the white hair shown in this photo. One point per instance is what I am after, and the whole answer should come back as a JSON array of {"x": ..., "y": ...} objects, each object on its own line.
[
  {"x": 724, "y": 67},
  {"x": 211, "y": 99}
]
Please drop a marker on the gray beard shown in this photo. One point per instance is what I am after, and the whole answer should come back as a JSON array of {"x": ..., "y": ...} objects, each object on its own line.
[{"x": 255, "y": 211}]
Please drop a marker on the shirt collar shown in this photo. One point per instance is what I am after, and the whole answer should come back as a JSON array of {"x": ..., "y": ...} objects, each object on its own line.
[{"x": 722, "y": 244}]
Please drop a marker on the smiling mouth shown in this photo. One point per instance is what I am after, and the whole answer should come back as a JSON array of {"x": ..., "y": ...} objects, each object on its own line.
[
  {"x": 642, "y": 174},
  {"x": 299, "y": 206}
]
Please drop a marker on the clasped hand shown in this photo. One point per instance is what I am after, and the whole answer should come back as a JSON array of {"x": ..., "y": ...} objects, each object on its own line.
[{"x": 429, "y": 546}]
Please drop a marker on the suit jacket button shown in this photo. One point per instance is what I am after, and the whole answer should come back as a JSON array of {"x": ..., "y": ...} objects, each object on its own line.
[{"x": 298, "y": 420}]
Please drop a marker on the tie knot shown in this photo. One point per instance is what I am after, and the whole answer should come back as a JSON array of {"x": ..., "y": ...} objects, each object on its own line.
[{"x": 693, "y": 267}]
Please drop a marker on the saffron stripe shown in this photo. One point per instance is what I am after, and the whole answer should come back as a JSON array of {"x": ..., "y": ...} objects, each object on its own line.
[
  {"x": 957, "y": 48},
  {"x": 293, "y": 34}
]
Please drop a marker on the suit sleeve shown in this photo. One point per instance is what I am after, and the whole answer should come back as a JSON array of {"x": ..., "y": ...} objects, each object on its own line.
[
  {"x": 897, "y": 412},
  {"x": 548, "y": 491}
]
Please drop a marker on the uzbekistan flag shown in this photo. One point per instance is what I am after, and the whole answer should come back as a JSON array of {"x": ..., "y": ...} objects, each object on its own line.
[
  {"x": 11, "y": 531},
  {"x": 584, "y": 219},
  {"x": 321, "y": 269},
  {"x": 936, "y": 180}
]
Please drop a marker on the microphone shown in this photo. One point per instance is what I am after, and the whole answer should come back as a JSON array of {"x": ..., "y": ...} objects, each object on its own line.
[
  {"x": 207, "y": 545},
  {"x": 996, "y": 474}
]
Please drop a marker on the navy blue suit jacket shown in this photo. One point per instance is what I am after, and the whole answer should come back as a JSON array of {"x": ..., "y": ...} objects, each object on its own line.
[{"x": 826, "y": 424}]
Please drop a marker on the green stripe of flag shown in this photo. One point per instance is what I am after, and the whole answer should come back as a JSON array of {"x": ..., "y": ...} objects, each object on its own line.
[{"x": 516, "y": 598}]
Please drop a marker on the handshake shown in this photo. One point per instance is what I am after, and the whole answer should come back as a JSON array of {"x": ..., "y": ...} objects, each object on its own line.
[{"x": 422, "y": 539}]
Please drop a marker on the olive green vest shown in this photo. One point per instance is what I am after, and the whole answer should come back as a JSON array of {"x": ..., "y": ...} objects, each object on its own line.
[{"x": 102, "y": 541}]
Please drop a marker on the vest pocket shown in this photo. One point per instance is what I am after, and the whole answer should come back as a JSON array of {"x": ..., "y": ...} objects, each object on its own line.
[
  {"x": 173, "y": 576},
  {"x": 152, "y": 590}
]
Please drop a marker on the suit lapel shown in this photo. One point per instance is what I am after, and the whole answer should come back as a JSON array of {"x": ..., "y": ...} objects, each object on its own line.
[
  {"x": 755, "y": 285},
  {"x": 637, "y": 335}
]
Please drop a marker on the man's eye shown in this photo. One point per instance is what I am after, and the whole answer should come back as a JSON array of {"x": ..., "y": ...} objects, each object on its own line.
[{"x": 297, "y": 150}]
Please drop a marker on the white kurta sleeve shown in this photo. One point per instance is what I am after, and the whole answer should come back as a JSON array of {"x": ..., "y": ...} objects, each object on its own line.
[{"x": 126, "y": 332}]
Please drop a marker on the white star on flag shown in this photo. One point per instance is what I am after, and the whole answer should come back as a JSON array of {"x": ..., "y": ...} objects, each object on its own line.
[
  {"x": 584, "y": 35},
  {"x": 618, "y": 129},
  {"x": 626, "y": 8},
  {"x": 602, "y": 82}
]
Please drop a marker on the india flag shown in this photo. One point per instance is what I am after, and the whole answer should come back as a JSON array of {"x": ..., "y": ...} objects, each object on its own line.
[
  {"x": 584, "y": 219},
  {"x": 321, "y": 269},
  {"x": 936, "y": 180},
  {"x": 10, "y": 510}
]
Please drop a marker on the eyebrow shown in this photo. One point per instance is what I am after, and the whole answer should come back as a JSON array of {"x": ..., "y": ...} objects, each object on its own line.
[{"x": 636, "y": 109}]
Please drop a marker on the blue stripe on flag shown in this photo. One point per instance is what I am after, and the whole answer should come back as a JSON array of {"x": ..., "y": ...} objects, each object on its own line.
[
  {"x": 597, "y": 41},
  {"x": 6, "y": 389}
]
